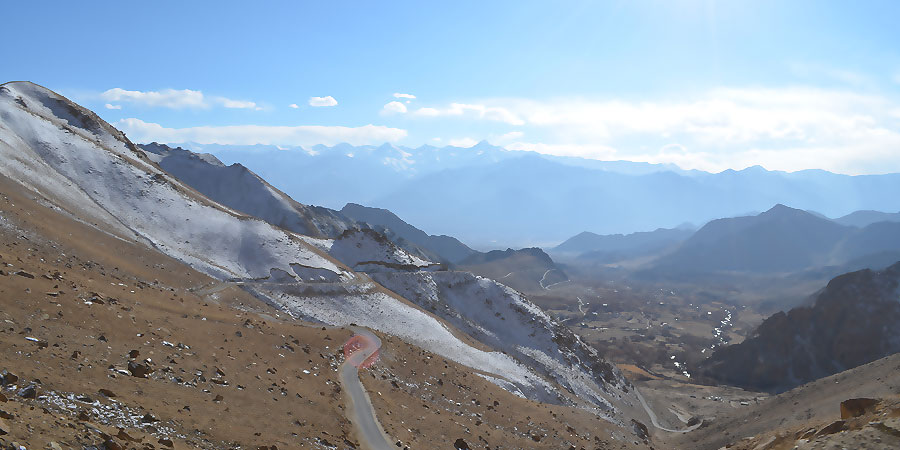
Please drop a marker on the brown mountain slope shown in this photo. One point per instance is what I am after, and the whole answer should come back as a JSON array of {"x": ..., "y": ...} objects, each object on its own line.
[
  {"x": 813, "y": 405},
  {"x": 227, "y": 371}
]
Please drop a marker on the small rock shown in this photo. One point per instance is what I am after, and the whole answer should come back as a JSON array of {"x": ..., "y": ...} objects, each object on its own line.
[
  {"x": 107, "y": 393},
  {"x": 218, "y": 398},
  {"x": 83, "y": 416},
  {"x": 54, "y": 446},
  {"x": 28, "y": 392},
  {"x": 460, "y": 444},
  {"x": 25, "y": 274},
  {"x": 3, "y": 398},
  {"x": 166, "y": 442},
  {"x": 148, "y": 418},
  {"x": 5, "y": 415},
  {"x": 133, "y": 354},
  {"x": 139, "y": 370},
  {"x": 7, "y": 378}
]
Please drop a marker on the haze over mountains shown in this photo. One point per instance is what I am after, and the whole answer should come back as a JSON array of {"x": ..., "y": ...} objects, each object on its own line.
[{"x": 489, "y": 197}]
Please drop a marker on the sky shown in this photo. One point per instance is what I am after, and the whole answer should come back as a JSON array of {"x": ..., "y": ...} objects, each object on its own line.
[{"x": 703, "y": 84}]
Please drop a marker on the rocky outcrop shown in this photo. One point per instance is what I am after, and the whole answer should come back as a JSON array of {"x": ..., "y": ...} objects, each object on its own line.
[{"x": 853, "y": 321}]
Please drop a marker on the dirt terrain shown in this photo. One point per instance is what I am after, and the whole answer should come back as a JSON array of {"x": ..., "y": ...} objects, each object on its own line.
[{"x": 660, "y": 328}]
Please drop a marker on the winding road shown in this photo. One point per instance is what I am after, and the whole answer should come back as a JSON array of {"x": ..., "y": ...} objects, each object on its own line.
[
  {"x": 655, "y": 421},
  {"x": 362, "y": 414}
]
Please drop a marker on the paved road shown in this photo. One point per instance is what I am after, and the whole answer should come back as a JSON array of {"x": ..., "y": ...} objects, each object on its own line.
[{"x": 362, "y": 415}]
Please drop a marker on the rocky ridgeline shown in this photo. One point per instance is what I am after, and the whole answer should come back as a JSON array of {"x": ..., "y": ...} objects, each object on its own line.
[{"x": 854, "y": 320}]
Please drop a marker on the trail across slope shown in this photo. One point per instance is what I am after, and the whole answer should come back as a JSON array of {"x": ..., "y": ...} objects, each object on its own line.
[
  {"x": 655, "y": 421},
  {"x": 361, "y": 411}
]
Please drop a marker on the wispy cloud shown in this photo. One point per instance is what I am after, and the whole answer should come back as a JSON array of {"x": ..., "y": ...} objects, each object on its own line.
[
  {"x": 322, "y": 101},
  {"x": 110, "y": 106},
  {"x": 393, "y": 108},
  {"x": 406, "y": 96},
  {"x": 141, "y": 131},
  {"x": 293, "y": 106},
  {"x": 174, "y": 99},
  {"x": 466, "y": 142},
  {"x": 474, "y": 111}
]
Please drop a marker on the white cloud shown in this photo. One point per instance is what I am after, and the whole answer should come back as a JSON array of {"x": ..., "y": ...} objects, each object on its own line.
[
  {"x": 141, "y": 131},
  {"x": 174, "y": 99},
  {"x": 322, "y": 101},
  {"x": 407, "y": 96},
  {"x": 463, "y": 142},
  {"x": 507, "y": 137},
  {"x": 394, "y": 108},
  {"x": 427, "y": 112},
  {"x": 168, "y": 98},
  {"x": 236, "y": 104},
  {"x": 110, "y": 106},
  {"x": 293, "y": 105},
  {"x": 476, "y": 111}
]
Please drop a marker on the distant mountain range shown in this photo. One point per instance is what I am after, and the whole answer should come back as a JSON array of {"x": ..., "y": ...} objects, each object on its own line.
[
  {"x": 855, "y": 320},
  {"x": 780, "y": 240},
  {"x": 612, "y": 248},
  {"x": 490, "y": 197}
]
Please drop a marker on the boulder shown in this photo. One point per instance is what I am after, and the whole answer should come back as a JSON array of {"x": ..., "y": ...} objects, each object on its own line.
[
  {"x": 460, "y": 444},
  {"x": 835, "y": 427},
  {"x": 29, "y": 391},
  {"x": 856, "y": 407},
  {"x": 7, "y": 378}
]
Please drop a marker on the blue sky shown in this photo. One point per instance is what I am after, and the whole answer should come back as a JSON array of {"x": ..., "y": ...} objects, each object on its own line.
[{"x": 703, "y": 84}]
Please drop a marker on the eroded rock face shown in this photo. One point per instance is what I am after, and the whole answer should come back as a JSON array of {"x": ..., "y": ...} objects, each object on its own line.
[
  {"x": 856, "y": 407},
  {"x": 854, "y": 320}
]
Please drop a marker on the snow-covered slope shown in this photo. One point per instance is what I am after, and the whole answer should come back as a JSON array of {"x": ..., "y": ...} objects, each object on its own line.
[
  {"x": 237, "y": 187},
  {"x": 505, "y": 320},
  {"x": 370, "y": 251},
  {"x": 86, "y": 167}
]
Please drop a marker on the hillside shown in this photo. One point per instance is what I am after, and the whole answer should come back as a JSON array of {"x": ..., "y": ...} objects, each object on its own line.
[
  {"x": 225, "y": 370},
  {"x": 527, "y": 269},
  {"x": 238, "y": 188},
  {"x": 617, "y": 247},
  {"x": 445, "y": 248},
  {"x": 781, "y": 239},
  {"x": 865, "y": 218},
  {"x": 854, "y": 320}
]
